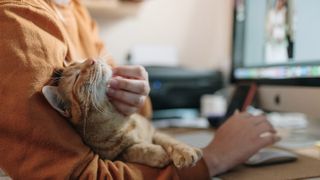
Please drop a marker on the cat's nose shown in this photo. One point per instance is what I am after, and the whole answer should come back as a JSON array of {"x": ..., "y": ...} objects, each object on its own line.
[{"x": 91, "y": 62}]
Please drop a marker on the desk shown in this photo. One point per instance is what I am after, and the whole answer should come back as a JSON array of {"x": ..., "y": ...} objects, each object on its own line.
[{"x": 300, "y": 141}]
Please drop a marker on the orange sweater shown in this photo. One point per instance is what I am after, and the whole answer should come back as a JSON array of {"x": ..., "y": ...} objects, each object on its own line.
[{"x": 35, "y": 141}]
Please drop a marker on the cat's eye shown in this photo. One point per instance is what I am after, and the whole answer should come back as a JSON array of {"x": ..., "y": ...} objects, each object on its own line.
[{"x": 73, "y": 64}]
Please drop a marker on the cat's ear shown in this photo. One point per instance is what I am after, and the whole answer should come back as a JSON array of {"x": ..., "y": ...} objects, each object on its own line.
[{"x": 53, "y": 97}]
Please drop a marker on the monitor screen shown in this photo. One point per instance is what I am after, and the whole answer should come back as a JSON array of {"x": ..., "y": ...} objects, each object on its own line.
[
  {"x": 275, "y": 44},
  {"x": 277, "y": 41}
]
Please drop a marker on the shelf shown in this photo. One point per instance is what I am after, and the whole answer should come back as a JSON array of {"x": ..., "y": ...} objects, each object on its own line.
[
  {"x": 112, "y": 8},
  {"x": 101, "y": 5}
]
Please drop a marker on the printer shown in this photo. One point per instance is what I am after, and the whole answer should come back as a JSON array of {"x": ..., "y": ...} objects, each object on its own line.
[{"x": 175, "y": 91}]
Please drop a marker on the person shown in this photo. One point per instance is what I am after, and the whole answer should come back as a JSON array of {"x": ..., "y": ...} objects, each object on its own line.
[
  {"x": 39, "y": 36},
  {"x": 277, "y": 33}
]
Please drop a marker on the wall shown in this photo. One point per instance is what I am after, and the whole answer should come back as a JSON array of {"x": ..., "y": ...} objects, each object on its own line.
[{"x": 200, "y": 29}]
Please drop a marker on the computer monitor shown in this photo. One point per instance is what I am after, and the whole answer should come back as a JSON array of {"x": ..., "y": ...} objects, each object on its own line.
[{"x": 276, "y": 44}]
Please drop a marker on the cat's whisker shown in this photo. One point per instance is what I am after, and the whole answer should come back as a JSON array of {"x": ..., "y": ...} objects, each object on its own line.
[{"x": 104, "y": 56}]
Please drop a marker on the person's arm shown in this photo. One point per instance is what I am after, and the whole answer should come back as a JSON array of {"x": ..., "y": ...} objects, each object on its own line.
[{"x": 36, "y": 142}]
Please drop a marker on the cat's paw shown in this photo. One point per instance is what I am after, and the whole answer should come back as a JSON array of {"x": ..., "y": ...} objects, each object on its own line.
[
  {"x": 159, "y": 160},
  {"x": 148, "y": 154},
  {"x": 184, "y": 156}
]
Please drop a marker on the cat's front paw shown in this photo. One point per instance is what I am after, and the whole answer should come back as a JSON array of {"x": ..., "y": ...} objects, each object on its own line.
[
  {"x": 159, "y": 160},
  {"x": 184, "y": 156}
]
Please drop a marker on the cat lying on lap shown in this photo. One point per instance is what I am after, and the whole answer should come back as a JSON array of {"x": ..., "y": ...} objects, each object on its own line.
[{"x": 81, "y": 97}]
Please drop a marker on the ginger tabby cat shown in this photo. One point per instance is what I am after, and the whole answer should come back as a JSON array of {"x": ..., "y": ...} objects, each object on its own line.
[{"x": 81, "y": 96}]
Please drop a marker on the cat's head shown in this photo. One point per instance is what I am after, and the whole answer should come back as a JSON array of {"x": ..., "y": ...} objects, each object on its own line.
[{"x": 81, "y": 88}]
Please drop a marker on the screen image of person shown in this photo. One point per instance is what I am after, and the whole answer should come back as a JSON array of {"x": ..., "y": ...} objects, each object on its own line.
[
  {"x": 279, "y": 31},
  {"x": 277, "y": 39}
]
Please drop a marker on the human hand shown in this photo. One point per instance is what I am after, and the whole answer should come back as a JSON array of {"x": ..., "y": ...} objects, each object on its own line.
[
  {"x": 128, "y": 88},
  {"x": 237, "y": 140}
]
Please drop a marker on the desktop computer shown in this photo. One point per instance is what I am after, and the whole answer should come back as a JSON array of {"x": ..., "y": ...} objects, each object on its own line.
[{"x": 276, "y": 46}]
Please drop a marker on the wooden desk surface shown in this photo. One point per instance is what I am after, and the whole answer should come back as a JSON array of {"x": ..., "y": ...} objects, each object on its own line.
[{"x": 306, "y": 167}]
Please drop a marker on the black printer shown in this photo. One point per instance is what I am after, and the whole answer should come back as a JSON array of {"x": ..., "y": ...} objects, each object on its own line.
[{"x": 180, "y": 88}]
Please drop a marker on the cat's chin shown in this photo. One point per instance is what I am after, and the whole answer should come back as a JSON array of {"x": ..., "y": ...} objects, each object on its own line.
[
  {"x": 106, "y": 78},
  {"x": 106, "y": 73},
  {"x": 104, "y": 81}
]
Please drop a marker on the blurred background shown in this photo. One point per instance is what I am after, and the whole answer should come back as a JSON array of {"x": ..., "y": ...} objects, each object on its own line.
[
  {"x": 199, "y": 30},
  {"x": 184, "y": 44}
]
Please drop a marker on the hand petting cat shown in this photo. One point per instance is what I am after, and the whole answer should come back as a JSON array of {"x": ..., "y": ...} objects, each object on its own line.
[{"x": 128, "y": 88}]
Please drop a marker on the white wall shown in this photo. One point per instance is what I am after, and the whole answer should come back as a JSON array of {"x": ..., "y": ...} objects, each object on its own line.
[{"x": 200, "y": 29}]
